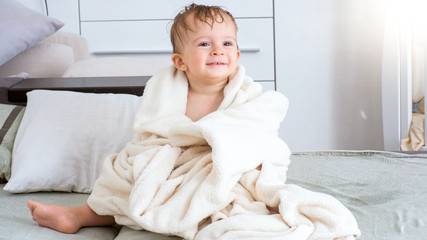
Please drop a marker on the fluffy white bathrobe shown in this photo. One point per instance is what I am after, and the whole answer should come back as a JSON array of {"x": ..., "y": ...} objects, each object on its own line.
[{"x": 222, "y": 177}]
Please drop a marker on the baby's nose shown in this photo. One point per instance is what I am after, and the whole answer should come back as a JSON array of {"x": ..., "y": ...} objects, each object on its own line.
[{"x": 217, "y": 52}]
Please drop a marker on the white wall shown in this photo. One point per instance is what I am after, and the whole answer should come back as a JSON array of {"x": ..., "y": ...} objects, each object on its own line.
[
  {"x": 328, "y": 58},
  {"x": 36, "y": 5}
]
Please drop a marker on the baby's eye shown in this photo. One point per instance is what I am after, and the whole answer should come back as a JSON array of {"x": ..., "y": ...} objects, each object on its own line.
[
  {"x": 204, "y": 44},
  {"x": 228, "y": 44}
]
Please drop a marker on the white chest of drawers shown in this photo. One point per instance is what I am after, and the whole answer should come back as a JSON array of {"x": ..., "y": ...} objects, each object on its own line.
[{"x": 140, "y": 28}]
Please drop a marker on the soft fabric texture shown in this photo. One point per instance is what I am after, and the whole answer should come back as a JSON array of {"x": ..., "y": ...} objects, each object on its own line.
[
  {"x": 22, "y": 28},
  {"x": 49, "y": 58},
  {"x": 46, "y": 60},
  {"x": 17, "y": 224},
  {"x": 222, "y": 177},
  {"x": 10, "y": 118},
  {"x": 387, "y": 198},
  {"x": 130, "y": 234},
  {"x": 75, "y": 41},
  {"x": 415, "y": 140},
  {"x": 385, "y": 190},
  {"x": 65, "y": 136}
]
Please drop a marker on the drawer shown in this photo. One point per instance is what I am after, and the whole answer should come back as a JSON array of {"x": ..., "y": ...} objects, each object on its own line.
[
  {"x": 68, "y": 12},
  {"x": 107, "y": 10},
  {"x": 267, "y": 85},
  {"x": 256, "y": 41},
  {"x": 151, "y": 39}
]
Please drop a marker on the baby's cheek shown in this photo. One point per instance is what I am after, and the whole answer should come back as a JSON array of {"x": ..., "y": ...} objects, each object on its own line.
[{"x": 199, "y": 57}]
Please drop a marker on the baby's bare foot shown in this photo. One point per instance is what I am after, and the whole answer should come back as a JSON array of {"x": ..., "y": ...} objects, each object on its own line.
[{"x": 56, "y": 217}]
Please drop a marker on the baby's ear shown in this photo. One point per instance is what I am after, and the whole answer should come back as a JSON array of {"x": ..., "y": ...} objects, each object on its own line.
[{"x": 178, "y": 62}]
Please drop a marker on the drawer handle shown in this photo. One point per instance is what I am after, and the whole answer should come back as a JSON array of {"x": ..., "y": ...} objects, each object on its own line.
[
  {"x": 157, "y": 51},
  {"x": 253, "y": 50}
]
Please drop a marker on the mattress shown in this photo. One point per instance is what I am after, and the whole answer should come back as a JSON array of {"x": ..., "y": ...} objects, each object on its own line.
[
  {"x": 385, "y": 191},
  {"x": 16, "y": 222}
]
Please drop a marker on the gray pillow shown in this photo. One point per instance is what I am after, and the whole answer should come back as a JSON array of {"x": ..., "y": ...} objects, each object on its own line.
[
  {"x": 10, "y": 119},
  {"x": 22, "y": 28}
]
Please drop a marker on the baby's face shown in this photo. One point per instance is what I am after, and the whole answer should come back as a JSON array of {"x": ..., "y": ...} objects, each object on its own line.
[{"x": 210, "y": 53}]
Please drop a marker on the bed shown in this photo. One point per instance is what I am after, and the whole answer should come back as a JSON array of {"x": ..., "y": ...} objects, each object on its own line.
[{"x": 384, "y": 190}]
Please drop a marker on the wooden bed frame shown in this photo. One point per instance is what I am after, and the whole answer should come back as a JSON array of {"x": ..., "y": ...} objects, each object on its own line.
[{"x": 124, "y": 85}]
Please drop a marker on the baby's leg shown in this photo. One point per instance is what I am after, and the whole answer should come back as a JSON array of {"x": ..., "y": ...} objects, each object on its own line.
[{"x": 67, "y": 219}]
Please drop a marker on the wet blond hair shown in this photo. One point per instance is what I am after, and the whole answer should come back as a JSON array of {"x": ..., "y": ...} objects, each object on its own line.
[{"x": 202, "y": 13}]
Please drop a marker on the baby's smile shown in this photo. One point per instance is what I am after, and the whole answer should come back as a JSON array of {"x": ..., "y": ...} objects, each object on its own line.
[{"x": 217, "y": 63}]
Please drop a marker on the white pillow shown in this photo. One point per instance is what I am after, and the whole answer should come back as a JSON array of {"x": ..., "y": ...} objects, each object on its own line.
[
  {"x": 64, "y": 138},
  {"x": 22, "y": 28}
]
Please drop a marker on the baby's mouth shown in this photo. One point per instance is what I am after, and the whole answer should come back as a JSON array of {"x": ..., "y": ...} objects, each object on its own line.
[{"x": 216, "y": 63}]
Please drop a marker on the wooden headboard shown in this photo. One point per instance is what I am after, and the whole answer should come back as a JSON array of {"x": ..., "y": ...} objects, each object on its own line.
[{"x": 125, "y": 85}]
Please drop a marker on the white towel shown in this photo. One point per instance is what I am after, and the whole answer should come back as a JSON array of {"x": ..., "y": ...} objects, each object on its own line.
[{"x": 222, "y": 177}]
